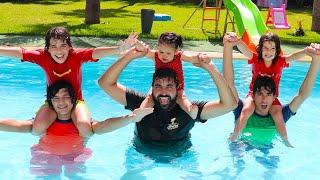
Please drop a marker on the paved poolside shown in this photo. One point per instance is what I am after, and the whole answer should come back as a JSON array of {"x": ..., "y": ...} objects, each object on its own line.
[{"x": 214, "y": 48}]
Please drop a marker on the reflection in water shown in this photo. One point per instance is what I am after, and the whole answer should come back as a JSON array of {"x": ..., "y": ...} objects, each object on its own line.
[
  {"x": 144, "y": 156},
  {"x": 51, "y": 159},
  {"x": 261, "y": 155}
]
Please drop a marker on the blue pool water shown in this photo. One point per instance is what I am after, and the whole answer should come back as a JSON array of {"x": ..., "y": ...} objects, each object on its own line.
[{"x": 22, "y": 89}]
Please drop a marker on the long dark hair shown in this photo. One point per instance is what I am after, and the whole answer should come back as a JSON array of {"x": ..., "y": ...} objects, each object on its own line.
[{"x": 269, "y": 37}]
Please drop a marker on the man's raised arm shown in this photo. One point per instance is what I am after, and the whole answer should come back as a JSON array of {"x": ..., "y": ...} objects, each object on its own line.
[
  {"x": 109, "y": 80},
  {"x": 308, "y": 83},
  {"x": 227, "y": 101}
]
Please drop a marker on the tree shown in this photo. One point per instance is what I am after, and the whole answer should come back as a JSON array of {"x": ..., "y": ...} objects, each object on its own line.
[
  {"x": 92, "y": 12},
  {"x": 316, "y": 16}
]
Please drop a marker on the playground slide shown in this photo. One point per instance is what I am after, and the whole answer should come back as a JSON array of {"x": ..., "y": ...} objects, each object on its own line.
[{"x": 247, "y": 17}]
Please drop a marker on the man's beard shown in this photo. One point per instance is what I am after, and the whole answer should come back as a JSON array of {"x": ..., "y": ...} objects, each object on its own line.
[{"x": 167, "y": 107}]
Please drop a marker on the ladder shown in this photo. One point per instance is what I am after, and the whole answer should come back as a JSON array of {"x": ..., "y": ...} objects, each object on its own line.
[{"x": 207, "y": 9}]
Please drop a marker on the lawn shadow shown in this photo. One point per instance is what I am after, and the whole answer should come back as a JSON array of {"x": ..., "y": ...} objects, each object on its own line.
[
  {"x": 181, "y": 3},
  {"x": 104, "y": 13},
  {"x": 173, "y": 2},
  {"x": 301, "y": 10},
  {"x": 43, "y": 2},
  {"x": 41, "y": 29}
]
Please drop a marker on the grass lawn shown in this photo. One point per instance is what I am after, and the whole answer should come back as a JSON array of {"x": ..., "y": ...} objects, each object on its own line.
[{"x": 118, "y": 19}]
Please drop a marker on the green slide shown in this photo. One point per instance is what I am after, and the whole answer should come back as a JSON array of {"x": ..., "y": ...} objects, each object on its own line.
[{"x": 247, "y": 17}]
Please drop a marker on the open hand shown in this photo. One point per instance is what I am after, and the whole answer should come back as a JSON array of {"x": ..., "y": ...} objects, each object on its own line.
[
  {"x": 131, "y": 39},
  {"x": 128, "y": 43}
]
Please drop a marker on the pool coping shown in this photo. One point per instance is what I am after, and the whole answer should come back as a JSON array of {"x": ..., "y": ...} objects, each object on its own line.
[{"x": 214, "y": 49}]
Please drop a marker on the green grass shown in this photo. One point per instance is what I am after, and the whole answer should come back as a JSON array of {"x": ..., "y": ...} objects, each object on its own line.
[{"x": 118, "y": 19}]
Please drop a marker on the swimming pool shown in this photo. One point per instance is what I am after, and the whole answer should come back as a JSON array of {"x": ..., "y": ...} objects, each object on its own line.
[{"x": 22, "y": 88}]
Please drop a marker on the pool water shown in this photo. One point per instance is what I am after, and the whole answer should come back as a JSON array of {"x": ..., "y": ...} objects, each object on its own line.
[{"x": 22, "y": 89}]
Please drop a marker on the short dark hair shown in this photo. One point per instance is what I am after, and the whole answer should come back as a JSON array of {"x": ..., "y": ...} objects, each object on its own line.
[
  {"x": 269, "y": 37},
  {"x": 266, "y": 82},
  {"x": 54, "y": 88},
  {"x": 172, "y": 39},
  {"x": 165, "y": 73},
  {"x": 57, "y": 33}
]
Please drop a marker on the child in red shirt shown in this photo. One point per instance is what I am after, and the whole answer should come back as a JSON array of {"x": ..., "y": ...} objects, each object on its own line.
[
  {"x": 169, "y": 55},
  {"x": 267, "y": 61},
  {"x": 61, "y": 62}
]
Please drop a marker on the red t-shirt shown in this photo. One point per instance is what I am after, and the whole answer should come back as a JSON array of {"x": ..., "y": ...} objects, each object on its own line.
[
  {"x": 176, "y": 65},
  {"x": 62, "y": 138},
  {"x": 69, "y": 71},
  {"x": 274, "y": 71}
]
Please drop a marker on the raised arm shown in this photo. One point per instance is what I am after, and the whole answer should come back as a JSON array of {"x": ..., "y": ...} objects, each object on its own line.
[
  {"x": 228, "y": 72},
  {"x": 15, "y": 125},
  {"x": 109, "y": 80},
  {"x": 308, "y": 83},
  {"x": 101, "y": 52},
  {"x": 227, "y": 101},
  {"x": 141, "y": 46},
  {"x": 112, "y": 124},
  {"x": 296, "y": 55},
  {"x": 11, "y": 51},
  {"x": 241, "y": 45},
  {"x": 244, "y": 49}
]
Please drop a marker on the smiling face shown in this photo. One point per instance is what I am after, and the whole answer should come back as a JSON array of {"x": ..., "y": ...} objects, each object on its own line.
[
  {"x": 269, "y": 48},
  {"x": 62, "y": 104},
  {"x": 269, "y": 51},
  {"x": 164, "y": 92},
  {"x": 263, "y": 99},
  {"x": 59, "y": 50},
  {"x": 166, "y": 53}
]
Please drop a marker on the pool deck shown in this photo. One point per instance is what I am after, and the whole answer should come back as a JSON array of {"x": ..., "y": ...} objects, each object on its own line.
[{"x": 213, "y": 48}]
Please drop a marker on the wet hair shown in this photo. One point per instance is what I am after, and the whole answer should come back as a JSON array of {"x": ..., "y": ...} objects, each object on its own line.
[
  {"x": 269, "y": 37},
  {"x": 266, "y": 82},
  {"x": 165, "y": 73},
  {"x": 57, "y": 33},
  {"x": 54, "y": 88},
  {"x": 171, "y": 39}
]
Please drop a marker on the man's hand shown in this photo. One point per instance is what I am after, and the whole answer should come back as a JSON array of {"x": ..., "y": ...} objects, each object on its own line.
[
  {"x": 230, "y": 39},
  {"x": 313, "y": 50},
  {"x": 141, "y": 46},
  {"x": 136, "y": 53},
  {"x": 139, "y": 113},
  {"x": 286, "y": 142},
  {"x": 232, "y": 137},
  {"x": 205, "y": 62}
]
